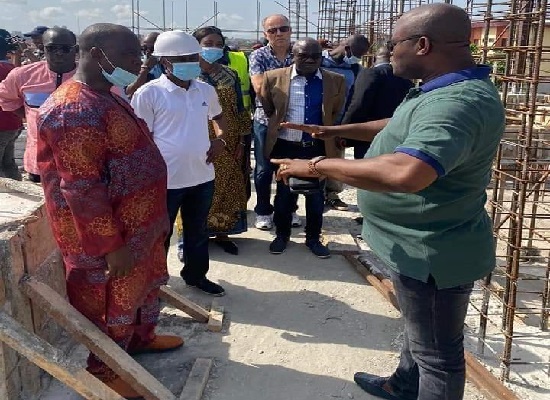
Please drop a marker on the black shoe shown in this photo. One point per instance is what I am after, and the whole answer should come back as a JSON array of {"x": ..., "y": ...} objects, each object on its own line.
[
  {"x": 208, "y": 287},
  {"x": 373, "y": 384},
  {"x": 318, "y": 249},
  {"x": 337, "y": 204},
  {"x": 359, "y": 220},
  {"x": 278, "y": 246},
  {"x": 228, "y": 246}
]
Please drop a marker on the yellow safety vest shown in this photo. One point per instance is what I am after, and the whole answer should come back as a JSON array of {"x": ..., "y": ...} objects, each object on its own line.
[{"x": 239, "y": 63}]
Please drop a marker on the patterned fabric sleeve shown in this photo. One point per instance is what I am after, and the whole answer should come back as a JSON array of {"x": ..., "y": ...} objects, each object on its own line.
[
  {"x": 80, "y": 153},
  {"x": 256, "y": 63}
]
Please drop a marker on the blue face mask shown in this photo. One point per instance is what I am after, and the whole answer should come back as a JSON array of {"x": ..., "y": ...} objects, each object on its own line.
[
  {"x": 185, "y": 71},
  {"x": 211, "y": 54},
  {"x": 119, "y": 77}
]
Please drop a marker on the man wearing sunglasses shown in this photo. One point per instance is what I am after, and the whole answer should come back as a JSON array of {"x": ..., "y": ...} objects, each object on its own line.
[
  {"x": 276, "y": 54},
  {"x": 150, "y": 66},
  {"x": 423, "y": 192},
  {"x": 27, "y": 87},
  {"x": 301, "y": 93}
]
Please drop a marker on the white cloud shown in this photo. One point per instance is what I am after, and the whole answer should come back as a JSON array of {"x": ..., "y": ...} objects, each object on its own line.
[
  {"x": 90, "y": 13},
  {"x": 47, "y": 14},
  {"x": 122, "y": 11}
]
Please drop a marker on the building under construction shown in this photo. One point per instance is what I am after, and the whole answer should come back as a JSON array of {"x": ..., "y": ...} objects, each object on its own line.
[{"x": 508, "y": 322}]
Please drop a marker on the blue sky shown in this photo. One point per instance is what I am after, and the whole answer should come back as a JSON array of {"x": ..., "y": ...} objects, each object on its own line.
[{"x": 23, "y": 15}]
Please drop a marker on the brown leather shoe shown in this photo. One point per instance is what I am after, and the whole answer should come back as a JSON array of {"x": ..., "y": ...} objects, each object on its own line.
[
  {"x": 123, "y": 389},
  {"x": 159, "y": 344}
]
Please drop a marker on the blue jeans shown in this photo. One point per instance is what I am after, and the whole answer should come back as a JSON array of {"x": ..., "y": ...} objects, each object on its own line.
[
  {"x": 263, "y": 172},
  {"x": 194, "y": 203},
  {"x": 285, "y": 200},
  {"x": 432, "y": 365}
]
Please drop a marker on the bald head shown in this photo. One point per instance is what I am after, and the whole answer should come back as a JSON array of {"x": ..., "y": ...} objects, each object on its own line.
[
  {"x": 57, "y": 33},
  {"x": 383, "y": 55},
  {"x": 275, "y": 18},
  {"x": 358, "y": 45},
  {"x": 104, "y": 35},
  {"x": 151, "y": 37},
  {"x": 431, "y": 40},
  {"x": 307, "y": 44},
  {"x": 441, "y": 22}
]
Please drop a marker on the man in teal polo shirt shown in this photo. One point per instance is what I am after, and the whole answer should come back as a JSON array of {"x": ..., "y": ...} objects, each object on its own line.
[{"x": 423, "y": 187}]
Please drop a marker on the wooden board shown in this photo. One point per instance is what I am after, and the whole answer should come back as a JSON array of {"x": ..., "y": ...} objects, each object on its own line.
[
  {"x": 21, "y": 311},
  {"x": 215, "y": 320},
  {"x": 489, "y": 386},
  {"x": 53, "y": 361},
  {"x": 378, "y": 283},
  {"x": 181, "y": 303},
  {"x": 196, "y": 382},
  {"x": 85, "y": 332}
]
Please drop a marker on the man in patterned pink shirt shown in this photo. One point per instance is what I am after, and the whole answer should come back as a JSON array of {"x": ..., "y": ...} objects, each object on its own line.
[{"x": 26, "y": 88}]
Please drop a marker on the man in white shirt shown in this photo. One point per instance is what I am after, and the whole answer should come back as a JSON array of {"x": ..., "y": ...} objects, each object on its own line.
[{"x": 177, "y": 108}]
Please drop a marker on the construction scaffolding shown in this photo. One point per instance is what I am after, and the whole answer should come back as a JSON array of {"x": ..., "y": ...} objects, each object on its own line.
[
  {"x": 512, "y": 303},
  {"x": 299, "y": 18},
  {"x": 337, "y": 19}
]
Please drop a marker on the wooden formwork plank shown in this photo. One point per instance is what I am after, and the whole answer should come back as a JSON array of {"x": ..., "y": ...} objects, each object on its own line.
[
  {"x": 196, "y": 382},
  {"x": 378, "y": 283},
  {"x": 85, "y": 332},
  {"x": 486, "y": 382},
  {"x": 181, "y": 303},
  {"x": 215, "y": 319},
  {"x": 53, "y": 361},
  {"x": 21, "y": 311}
]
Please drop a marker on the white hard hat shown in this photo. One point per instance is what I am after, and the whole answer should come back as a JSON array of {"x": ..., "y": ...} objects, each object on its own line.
[{"x": 176, "y": 43}]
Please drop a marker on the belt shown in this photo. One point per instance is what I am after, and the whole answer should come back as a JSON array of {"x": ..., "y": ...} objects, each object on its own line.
[{"x": 299, "y": 144}]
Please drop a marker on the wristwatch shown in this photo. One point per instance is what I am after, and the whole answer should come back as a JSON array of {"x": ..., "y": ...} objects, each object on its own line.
[{"x": 312, "y": 165}]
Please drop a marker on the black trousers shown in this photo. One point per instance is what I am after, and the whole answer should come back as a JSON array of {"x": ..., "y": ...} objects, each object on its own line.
[{"x": 285, "y": 200}]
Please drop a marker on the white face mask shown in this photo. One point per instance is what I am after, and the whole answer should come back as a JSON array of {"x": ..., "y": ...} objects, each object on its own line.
[
  {"x": 119, "y": 77},
  {"x": 352, "y": 60}
]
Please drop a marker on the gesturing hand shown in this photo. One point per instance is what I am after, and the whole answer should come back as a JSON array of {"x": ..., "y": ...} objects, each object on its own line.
[
  {"x": 288, "y": 168},
  {"x": 316, "y": 131}
]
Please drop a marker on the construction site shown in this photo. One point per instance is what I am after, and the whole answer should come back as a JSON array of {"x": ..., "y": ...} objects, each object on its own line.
[{"x": 507, "y": 327}]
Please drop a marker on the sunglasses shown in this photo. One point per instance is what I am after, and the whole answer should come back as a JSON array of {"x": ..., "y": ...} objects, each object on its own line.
[
  {"x": 64, "y": 48},
  {"x": 147, "y": 48},
  {"x": 280, "y": 29},
  {"x": 391, "y": 44}
]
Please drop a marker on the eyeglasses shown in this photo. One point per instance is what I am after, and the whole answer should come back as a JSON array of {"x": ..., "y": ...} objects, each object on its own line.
[
  {"x": 305, "y": 56},
  {"x": 147, "y": 48},
  {"x": 280, "y": 29},
  {"x": 391, "y": 44},
  {"x": 64, "y": 48}
]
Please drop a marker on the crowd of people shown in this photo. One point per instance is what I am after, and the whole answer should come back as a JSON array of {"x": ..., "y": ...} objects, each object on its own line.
[{"x": 130, "y": 139}]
